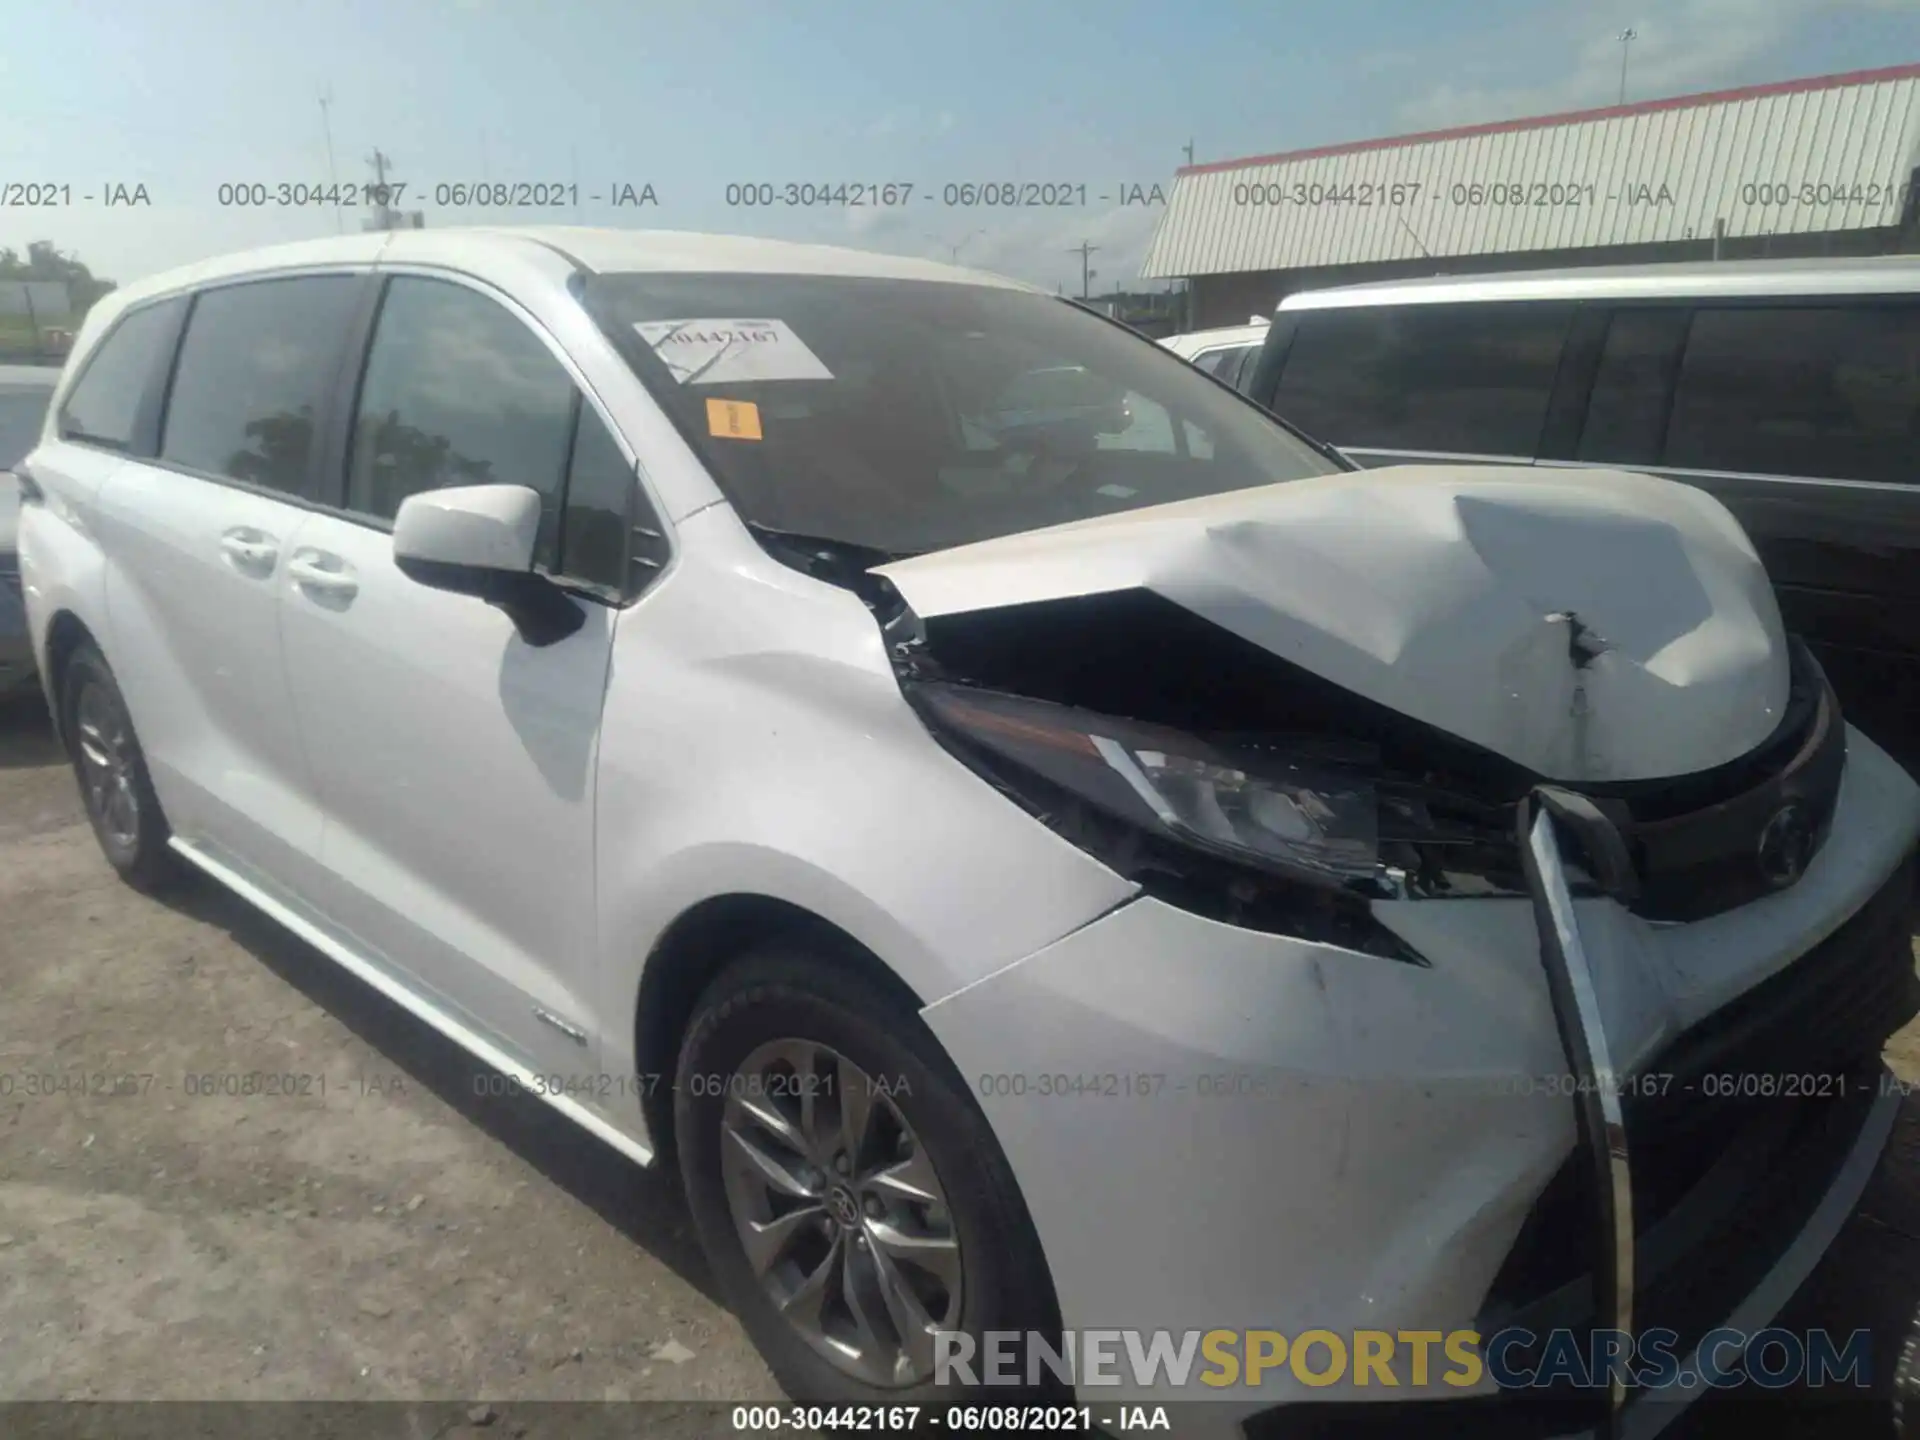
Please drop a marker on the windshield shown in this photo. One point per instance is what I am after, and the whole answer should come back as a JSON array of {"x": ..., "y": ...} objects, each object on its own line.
[{"x": 913, "y": 415}]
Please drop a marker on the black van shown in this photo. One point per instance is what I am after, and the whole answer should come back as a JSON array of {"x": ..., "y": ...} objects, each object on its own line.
[{"x": 1790, "y": 389}]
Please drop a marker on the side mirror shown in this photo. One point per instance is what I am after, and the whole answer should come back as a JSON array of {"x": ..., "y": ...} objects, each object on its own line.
[
  {"x": 479, "y": 540},
  {"x": 456, "y": 539}
]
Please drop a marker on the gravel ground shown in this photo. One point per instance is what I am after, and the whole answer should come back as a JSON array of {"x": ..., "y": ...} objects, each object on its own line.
[{"x": 386, "y": 1234}]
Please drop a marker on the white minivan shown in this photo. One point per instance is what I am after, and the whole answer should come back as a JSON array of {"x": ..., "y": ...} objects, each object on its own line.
[
  {"x": 1228, "y": 354},
  {"x": 1120, "y": 870}
]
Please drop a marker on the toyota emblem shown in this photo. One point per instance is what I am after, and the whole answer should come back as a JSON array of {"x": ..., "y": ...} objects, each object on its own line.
[{"x": 1786, "y": 847}]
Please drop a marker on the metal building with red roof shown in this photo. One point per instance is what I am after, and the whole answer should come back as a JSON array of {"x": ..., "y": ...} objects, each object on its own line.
[{"x": 1817, "y": 166}]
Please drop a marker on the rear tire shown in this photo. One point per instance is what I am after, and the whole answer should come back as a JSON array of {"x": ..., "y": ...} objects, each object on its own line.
[
  {"x": 115, "y": 786},
  {"x": 792, "y": 1010}
]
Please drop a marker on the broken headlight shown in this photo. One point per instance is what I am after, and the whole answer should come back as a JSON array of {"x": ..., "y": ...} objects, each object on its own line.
[{"x": 1258, "y": 821}]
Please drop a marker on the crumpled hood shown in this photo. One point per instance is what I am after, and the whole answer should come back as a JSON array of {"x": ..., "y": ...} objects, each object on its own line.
[{"x": 1590, "y": 625}]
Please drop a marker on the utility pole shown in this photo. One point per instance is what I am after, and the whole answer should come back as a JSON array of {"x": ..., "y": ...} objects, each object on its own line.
[
  {"x": 333, "y": 178},
  {"x": 382, "y": 206},
  {"x": 1188, "y": 148},
  {"x": 1626, "y": 38},
  {"x": 1085, "y": 252}
]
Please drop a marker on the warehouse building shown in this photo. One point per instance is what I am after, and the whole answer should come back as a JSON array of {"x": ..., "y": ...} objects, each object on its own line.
[{"x": 1822, "y": 166}]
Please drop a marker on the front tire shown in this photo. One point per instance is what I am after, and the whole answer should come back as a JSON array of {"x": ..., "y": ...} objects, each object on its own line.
[
  {"x": 850, "y": 1195},
  {"x": 115, "y": 786}
]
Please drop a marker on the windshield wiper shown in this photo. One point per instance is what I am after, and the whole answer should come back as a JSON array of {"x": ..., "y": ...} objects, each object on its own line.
[{"x": 813, "y": 550}]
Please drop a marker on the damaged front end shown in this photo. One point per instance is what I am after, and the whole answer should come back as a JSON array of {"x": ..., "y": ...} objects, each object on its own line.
[
  {"x": 1159, "y": 744},
  {"x": 1141, "y": 685},
  {"x": 1235, "y": 785},
  {"x": 1232, "y": 706}
]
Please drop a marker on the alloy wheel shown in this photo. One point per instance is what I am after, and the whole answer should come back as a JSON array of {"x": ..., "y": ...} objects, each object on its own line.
[
  {"x": 839, "y": 1211},
  {"x": 104, "y": 739}
]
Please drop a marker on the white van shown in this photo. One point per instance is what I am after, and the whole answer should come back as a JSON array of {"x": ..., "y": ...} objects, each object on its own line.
[
  {"x": 1045, "y": 847},
  {"x": 1227, "y": 354}
]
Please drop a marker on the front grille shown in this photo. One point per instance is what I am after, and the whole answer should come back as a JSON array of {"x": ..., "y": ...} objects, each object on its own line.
[
  {"x": 1730, "y": 1157},
  {"x": 1700, "y": 843},
  {"x": 1828, "y": 1011}
]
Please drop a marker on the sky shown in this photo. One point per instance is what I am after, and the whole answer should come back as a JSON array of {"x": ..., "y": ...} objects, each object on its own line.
[{"x": 184, "y": 96}]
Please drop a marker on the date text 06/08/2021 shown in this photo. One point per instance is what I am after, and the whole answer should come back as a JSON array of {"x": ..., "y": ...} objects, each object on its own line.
[
  {"x": 456, "y": 195},
  {"x": 960, "y": 1419},
  {"x": 966, "y": 194},
  {"x": 1147, "y": 1085}
]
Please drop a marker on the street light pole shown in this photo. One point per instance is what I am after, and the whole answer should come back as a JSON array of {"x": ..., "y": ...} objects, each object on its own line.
[
  {"x": 1626, "y": 38},
  {"x": 333, "y": 180}
]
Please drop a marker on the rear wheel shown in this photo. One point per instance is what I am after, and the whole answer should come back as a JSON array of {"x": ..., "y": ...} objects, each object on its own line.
[
  {"x": 114, "y": 784},
  {"x": 850, "y": 1196}
]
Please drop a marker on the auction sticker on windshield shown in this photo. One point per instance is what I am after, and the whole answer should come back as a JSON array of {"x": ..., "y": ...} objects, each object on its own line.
[
  {"x": 712, "y": 352},
  {"x": 733, "y": 419}
]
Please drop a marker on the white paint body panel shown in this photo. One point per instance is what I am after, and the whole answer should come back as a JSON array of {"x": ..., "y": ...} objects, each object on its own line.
[
  {"x": 762, "y": 747},
  {"x": 193, "y": 575},
  {"x": 1430, "y": 589},
  {"x": 481, "y": 830},
  {"x": 1198, "y": 342},
  {"x": 455, "y": 766}
]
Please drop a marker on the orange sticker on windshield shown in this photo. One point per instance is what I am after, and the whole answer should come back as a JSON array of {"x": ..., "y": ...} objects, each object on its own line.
[{"x": 733, "y": 419}]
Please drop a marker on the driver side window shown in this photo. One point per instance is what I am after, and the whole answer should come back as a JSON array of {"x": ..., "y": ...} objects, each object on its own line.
[{"x": 458, "y": 391}]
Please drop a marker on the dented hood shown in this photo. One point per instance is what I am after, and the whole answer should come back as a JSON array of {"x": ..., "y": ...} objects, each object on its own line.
[{"x": 1590, "y": 625}]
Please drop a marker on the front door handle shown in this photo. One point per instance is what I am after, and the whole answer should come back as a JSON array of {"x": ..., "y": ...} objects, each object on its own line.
[
  {"x": 251, "y": 551},
  {"x": 322, "y": 576}
]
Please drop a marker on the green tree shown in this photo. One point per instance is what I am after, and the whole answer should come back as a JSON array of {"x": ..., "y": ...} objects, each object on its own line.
[{"x": 44, "y": 261}]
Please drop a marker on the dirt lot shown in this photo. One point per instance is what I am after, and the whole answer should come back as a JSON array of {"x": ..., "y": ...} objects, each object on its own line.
[{"x": 387, "y": 1234}]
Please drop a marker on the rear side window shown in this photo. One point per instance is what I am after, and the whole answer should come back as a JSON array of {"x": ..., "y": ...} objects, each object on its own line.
[
  {"x": 254, "y": 369},
  {"x": 1821, "y": 390},
  {"x": 104, "y": 407},
  {"x": 1627, "y": 414},
  {"x": 1464, "y": 379}
]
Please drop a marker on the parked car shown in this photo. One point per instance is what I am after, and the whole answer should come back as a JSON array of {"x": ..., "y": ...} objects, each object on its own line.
[
  {"x": 1026, "y": 892},
  {"x": 1788, "y": 389},
  {"x": 1056, "y": 405},
  {"x": 1228, "y": 354},
  {"x": 24, "y": 393}
]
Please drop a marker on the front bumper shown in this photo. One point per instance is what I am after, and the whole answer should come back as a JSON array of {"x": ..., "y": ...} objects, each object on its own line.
[{"x": 1217, "y": 1129}]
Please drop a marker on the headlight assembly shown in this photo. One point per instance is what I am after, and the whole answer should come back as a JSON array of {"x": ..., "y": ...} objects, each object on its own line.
[{"x": 1263, "y": 820}]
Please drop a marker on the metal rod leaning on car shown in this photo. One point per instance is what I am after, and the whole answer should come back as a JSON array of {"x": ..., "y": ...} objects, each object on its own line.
[{"x": 1597, "y": 1109}]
